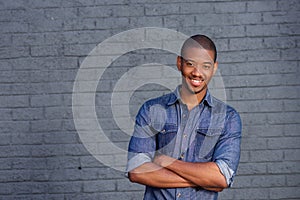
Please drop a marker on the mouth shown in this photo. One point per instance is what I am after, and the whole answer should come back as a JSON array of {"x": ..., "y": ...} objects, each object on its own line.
[{"x": 196, "y": 82}]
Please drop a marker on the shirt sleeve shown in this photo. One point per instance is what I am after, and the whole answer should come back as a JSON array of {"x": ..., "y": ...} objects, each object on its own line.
[
  {"x": 142, "y": 144},
  {"x": 227, "y": 151}
]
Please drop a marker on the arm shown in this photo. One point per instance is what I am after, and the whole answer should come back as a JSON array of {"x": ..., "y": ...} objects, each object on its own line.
[
  {"x": 206, "y": 175},
  {"x": 153, "y": 175}
]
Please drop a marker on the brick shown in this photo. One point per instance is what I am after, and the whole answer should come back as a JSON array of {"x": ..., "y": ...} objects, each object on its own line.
[
  {"x": 5, "y": 114},
  {"x": 60, "y": 13},
  {"x": 78, "y": 3},
  {"x": 13, "y": 27},
  {"x": 289, "y": 29},
  {"x": 54, "y": 88},
  {"x": 292, "y": 155},
  {"x": 5, "y": 139},
  {"x": 283, "y": 143},
  {"x": 259, "y": 181},
  {"x": 291, "y": 105},
  {"x": 285, "y": 192},
  {"x": 60, "y": 138},
  {"x": 288, "y": 5},
  {"x": 252, "y": 168},
  {"x": 283, "y": 43},
  {"x": 158, "y": 9},
  {"x": 284, "y": 118},
  {"x": 24, "y": 39},
  {"x": 46, "y": 125},
  {"x": 15, "y": 176},
  {"x": 196, "y": 8},
  {"x": 40, "y": 51},
  {"x": 255, "y": 193},
  {"x": 99, "y": 186},
  {"x": 64, "y": 187},
  {"x": 230, "y": 7},
  {"x": 62, "y": 162},
  {"x": 52, "y": 4},
  {"x": 290, "y": 54},
  {"x": 14, "y": 52},
  {"x": 261, "y": 6},
  {"x": 266, "y": 155},
  {"x": 287, "y": 167},
  {"x": 291, "y": 129},
  {"x": 83, "y": 36},
  {"x": 26, "y": 138},
  {"x": 45, "y": 100},
  {"x": 5, "y": 189},
  {"x": 14, "y": 76},
  {"x": 29, "y": 163},
  {"x": 293, "y": 180},
  {"x": 78, "y": 50},
  {"x": 254, "y": 143},
  {"x": 43, "y": 24},
  {"x": 5, "y": 40},
  {"x": 179, "y": 21},
  {"x": 127, "y": 10},
  {"x": 281, "y": 17},
  {"x": 14, "y": 126},
  {"x": 28, "y": 113},
  {"x": 46, "y": 150},
  {"x": 232, "y": 56},
  {"x": 245, "y": 44},
  {"x": 58, "y": 113},
  {"x": 125, "y": 185},
  {"x": 264, "y": 131},
  {"x": 262, "y": 30},
  {"x": 94, "y": 12},
  {"x": 263, "y": 55},
  {"x": 255, "y": 106}
]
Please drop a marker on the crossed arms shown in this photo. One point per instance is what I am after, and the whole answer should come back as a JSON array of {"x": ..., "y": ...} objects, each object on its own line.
[{"x": 167, "y": 172}]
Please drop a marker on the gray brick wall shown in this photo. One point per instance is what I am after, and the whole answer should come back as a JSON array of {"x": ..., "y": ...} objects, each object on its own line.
[{"x": 43, "y": 44}]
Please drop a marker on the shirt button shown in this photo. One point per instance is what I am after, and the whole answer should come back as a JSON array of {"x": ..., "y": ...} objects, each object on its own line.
[
  {"x": 178, "y": 195},
  {"x": 182, "y": 155},
  {"x": 184, "y": 135}
]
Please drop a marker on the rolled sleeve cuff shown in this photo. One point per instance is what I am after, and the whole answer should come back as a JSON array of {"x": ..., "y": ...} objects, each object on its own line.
[
  {"x": 137, "y": 161},
  {"x": 226, "y": 171}
]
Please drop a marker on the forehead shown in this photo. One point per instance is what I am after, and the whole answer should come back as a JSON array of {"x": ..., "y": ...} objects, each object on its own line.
[{"x": 198, "y": 54}]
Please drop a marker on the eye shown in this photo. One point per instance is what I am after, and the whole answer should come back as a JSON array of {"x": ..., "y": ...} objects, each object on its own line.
[
  {"x": 190, "y": 64},
  {"x": 206, "y": 66}
]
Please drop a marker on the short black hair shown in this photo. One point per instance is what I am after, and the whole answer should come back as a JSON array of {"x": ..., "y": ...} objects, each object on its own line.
[{"x": 201, "y": 41}]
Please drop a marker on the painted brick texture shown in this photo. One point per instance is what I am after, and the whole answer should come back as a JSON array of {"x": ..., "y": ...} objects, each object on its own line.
[{"x": 43, "y": 44}]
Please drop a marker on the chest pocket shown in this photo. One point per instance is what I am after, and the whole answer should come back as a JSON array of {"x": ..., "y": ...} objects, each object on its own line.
[
  {"x": 205, "y": 142},
  {"x": 165, "y": 139}
]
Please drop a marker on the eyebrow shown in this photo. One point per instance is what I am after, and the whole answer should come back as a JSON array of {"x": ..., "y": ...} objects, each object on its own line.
[{"x": 191, "y": 60}]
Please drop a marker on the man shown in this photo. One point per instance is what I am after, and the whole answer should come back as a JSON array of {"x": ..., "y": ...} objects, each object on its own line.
[{"x": 186, "y": 144}]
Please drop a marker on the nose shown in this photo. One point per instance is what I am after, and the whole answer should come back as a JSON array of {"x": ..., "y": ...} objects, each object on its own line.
[{"x": 197, "y": 72}]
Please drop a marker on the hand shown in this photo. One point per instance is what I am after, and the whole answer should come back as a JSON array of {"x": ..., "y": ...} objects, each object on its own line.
[{"x": 163, "y": 160}]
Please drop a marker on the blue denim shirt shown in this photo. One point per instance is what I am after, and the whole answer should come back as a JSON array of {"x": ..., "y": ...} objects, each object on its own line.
[{"x": 210, "y": 132}]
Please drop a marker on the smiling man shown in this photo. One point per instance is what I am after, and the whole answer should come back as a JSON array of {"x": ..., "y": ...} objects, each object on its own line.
[{"x": 186, "y": 144}]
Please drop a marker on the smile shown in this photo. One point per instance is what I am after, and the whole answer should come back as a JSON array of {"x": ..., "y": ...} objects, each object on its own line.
[{"x": 196, "y": 82}]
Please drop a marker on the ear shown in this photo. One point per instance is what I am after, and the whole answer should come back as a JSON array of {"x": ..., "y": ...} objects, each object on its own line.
[
  {"x": 179, "y": 63},
  {"x": 215, "y": 67}
]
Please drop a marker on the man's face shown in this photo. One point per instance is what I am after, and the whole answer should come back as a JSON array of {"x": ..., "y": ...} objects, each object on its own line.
[{"x": 197, "y": 68}]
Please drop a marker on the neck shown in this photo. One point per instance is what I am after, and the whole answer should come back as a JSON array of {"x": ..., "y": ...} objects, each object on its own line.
[{"x": 191, "y": 99}]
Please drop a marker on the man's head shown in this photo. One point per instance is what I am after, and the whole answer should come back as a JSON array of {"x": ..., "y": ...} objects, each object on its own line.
[
  {"x": 199, "y": 41},
  {"x": 197, "y": 64}
]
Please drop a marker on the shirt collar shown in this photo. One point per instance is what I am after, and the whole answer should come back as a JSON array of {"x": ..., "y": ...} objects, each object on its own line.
[{"x": 176, "y": 97}]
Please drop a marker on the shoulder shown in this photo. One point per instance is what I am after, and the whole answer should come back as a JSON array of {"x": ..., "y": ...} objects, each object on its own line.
[
  {"x": 221, "y": 105},
  {"x": 230, "y": 113},
  {"x": 163, "y": 100}
]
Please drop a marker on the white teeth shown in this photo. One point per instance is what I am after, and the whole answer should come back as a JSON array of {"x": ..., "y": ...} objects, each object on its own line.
[{"x": 197, "y": 81}]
